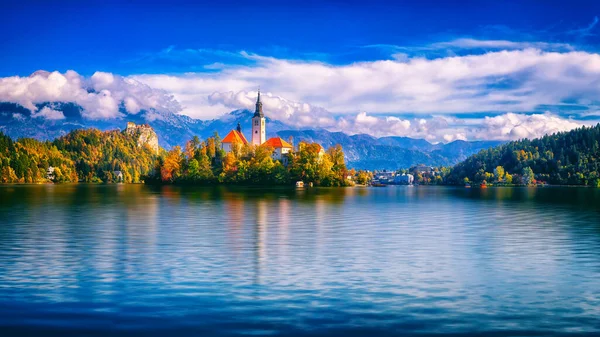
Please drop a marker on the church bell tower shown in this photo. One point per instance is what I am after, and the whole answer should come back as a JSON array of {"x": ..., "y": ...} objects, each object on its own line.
[{"x": 259, "y": 132}]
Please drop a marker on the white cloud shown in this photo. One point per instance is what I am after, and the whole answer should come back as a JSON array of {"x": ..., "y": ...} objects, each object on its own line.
[
  {"x": 309, "y": 94},
  {"x": 518, "y": 126},
  {"x": 439, "y": 128},
  {"x": 517, "y": 80},
  {"x": 508, "y": 126},
  {"x": 467, "y": 43},
  {"x": 100, "y": 95},
  {"x": 49, "y": 113}
]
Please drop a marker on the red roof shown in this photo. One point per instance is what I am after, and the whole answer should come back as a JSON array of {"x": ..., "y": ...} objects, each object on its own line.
[
  {"x": 234, "y": 136},
  {"x": 277, "y": 142}
]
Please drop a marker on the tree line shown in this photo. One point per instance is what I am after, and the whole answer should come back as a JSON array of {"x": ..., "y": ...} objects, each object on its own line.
[
  {"x": 565, "y": 158},
  {"x": 204, "y": 162},
  {"x": 114, "y": 156}
]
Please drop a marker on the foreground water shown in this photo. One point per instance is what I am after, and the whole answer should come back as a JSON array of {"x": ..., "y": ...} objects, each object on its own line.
[{"x": 136, "y": 260}]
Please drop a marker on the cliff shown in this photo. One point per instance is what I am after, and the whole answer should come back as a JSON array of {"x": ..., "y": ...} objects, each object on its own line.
[{"x": 145, "y": 135}]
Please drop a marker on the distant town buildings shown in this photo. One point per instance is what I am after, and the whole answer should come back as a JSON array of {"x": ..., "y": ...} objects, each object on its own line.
[
  {"x": 393, "y": 178},
  {"x": 422, "y": 169},
  {"x": 384, "y": 177},
  {"x": 404, "y": 179}
]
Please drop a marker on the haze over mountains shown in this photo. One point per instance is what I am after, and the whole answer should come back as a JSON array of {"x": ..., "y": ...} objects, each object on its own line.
[{"x": 362, "y": 151}]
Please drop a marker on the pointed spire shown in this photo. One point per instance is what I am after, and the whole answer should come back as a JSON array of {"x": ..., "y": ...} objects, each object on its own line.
[{"x": 258, "y": 112}]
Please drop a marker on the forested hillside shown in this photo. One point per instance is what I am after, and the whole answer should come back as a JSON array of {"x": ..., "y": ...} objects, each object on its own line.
[
  {"x": 82, "y": 155},
  {"x": 27, "y": 161},
  {"x": 98, "y": 155},
  {"x": 563, "y": 158}
]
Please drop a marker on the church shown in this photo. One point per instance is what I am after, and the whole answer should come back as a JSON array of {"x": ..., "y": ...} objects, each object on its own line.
[{"x": 235, "y": 139}]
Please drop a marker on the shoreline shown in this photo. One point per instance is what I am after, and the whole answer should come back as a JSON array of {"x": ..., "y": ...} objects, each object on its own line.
[{"x": 290, "y": 186}]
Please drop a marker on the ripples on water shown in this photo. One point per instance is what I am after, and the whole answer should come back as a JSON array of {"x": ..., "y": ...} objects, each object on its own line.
[{"x": 137, "y": 260}]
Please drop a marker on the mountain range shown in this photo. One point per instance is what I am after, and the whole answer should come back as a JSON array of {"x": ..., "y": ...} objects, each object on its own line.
[{"x": 362, "y": 151}]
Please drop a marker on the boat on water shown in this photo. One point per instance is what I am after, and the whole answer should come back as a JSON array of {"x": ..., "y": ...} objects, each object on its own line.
[
  {"x": 483, "y": 186},
  {"x": 299, "y": 184}
]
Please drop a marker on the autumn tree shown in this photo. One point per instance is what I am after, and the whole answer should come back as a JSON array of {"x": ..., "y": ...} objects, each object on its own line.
[
  {"x": 528, "y": 176},
  {"x": 171, "y": 167},
  {"x": 363, "y": 177},
  {"x": 336, "y": 155},
  {"x": 230, "y": 168},
  {"x": 499, "y": 173},
  {"x": 191, "y": 146}
]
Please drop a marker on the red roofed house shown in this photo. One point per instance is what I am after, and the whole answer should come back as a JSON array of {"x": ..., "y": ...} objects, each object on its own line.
[
  {"x": 235, "y": 138},
  {"x": 280, "y": 147},
  {"x": 321, "y": 151}
]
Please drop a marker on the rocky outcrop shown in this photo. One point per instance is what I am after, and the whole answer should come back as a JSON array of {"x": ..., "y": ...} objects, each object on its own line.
[{"x": 145, "y": 135}]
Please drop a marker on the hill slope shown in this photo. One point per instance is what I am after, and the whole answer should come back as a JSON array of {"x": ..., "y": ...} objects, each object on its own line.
[
  {"x": 564, "y": 158},
  {"x": 81, "y": 155}
]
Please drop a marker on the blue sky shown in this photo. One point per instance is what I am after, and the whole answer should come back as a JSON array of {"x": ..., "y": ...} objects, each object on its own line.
[
  {"x": 358, "y": 66},
  {"x": 123, "y": 38}
]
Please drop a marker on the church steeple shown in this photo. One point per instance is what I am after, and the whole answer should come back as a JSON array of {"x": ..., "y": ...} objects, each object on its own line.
[
  {"x": 259, "y": 132},
  {"x": 259, "y": 111}
]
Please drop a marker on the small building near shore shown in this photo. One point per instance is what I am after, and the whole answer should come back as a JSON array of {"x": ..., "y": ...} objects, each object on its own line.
[
  {"x": 405, "y": 179},
  {"x": 50, "y": 173}
]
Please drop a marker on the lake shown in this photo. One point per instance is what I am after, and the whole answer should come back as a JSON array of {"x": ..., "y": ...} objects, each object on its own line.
[{"x": 135, "y": 260}]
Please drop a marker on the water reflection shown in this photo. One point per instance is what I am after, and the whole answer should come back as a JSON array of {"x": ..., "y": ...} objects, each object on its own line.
[{"x": 229, "y": 260}]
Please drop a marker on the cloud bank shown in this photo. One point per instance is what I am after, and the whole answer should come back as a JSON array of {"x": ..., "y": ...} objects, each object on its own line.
[
  {"x": 100, "y": 96},
  {"x": 437, "y": 128},
  {"x": 518, "y": 80},
  {"x": 522, "y": 91},
  {"x": 542, "y": 89}
]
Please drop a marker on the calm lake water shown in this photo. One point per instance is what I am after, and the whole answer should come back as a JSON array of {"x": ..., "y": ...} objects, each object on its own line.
[{"x": 106, "y": 260}]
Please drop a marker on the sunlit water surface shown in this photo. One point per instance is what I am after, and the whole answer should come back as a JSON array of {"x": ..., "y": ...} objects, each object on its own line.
[{"x": 106, "y": 260}]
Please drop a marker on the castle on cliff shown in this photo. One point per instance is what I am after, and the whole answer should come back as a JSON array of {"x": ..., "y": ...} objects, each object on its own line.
[{"x": 145, "y": 133}]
